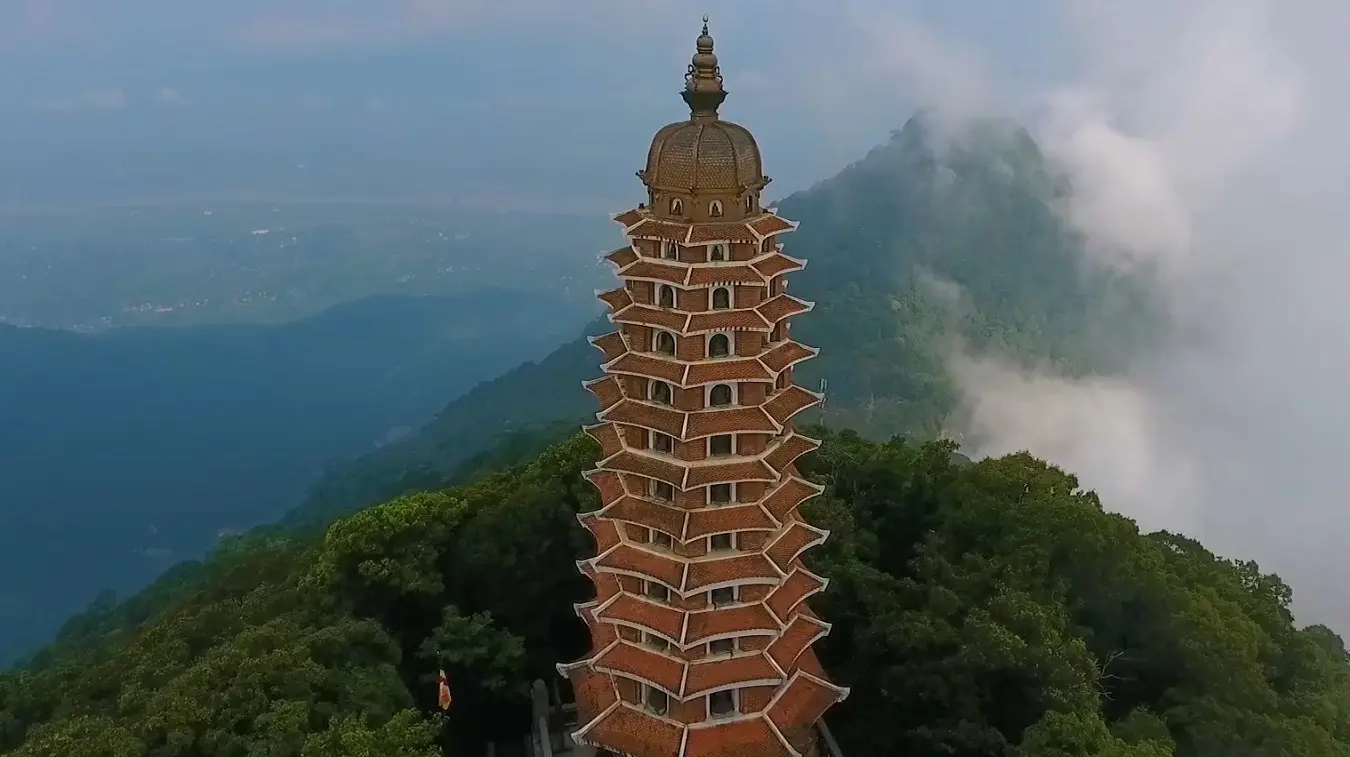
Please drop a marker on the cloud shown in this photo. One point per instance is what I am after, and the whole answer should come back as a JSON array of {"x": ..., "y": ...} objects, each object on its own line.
[
  {"x": 99, "y": 100},
  {"x": 1204, "y": 143}
]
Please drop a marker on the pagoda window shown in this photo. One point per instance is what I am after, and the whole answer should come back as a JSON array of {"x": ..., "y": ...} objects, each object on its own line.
[
  {"x": 718, "y": 254},
  {"x": 656, "y": 591},
  {"x": 721, "y": 298},
  {"x": 750, "y": 203},
  {"x": 665, "y": 296},
  {"x": 662, "y": 443},
  {"x": 720, "y": 494},
  {"x": 722, "y": 646},
  {"x": 722, "y": 704},
  {"x": 766, "y": 245},
  {"x": 665, "y": 343},
  {"x": 662, "y": 491},
  {"x": 720, "y": 396},
  {"x": 660, "y": 392},
  {"x": 655, "y": 642},
  {"x": 670, "y": 250},
  {"x": 721, "y": 542},
  {"x": 662, "y": 539},
  {"x": 656, "y": 700},
  {"x": 676, "y": 206},
  {"x": 721, "y": 445},
  {"x": 719, "y": 345},
  {"x": 715, "y": 208},
  {"x": 782, "y": 381},
  {"x": 723, "y": 596}
]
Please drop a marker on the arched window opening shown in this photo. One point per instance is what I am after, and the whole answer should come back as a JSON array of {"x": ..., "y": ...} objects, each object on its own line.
[
  {"x": 718, "y": 254},
  {"x": 665, "y": 343},
  {"x": 715, "y": 208},
  {"x": 670, "y": 250},
  {"x": 719, "y": 345},
  {"x": 665, "y": 296},
  {"x": 655, "y": 699},
  {"x": 720, "y": 445},
  {"x": 719, "y": 396},
  {"x": 676, "y": 206},
  {"x": 721, "y": 298},
  {"x": 750, "y": 203},
  {"x": 660, "y": 393}
]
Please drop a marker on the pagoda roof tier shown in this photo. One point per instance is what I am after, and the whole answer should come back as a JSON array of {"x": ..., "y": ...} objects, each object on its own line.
[
  {"x": 617, "y": 299},
  {"x": 643, "y": 224},
  {"x": 690, "y": 425},
  {"x": 758, "y": 271},
  {"x": 623, "y": 256},
  {"x": 684, "y": 629},
  {"x": 611, "y": 344},
  {"x": 800, "y": 585},
  {"x": 779, "y": 502},
  {"x": 763, "y": 318},
  {"x": 682, "y": 679},
  {"x": 804, "y": 700},
  {"x": 625, "y": 728},
  {"x": 791, "y": 543},
  {"x": 691, "y": 373},
  {"x": 767, "y": 466},
  {"x": 688, "y": 525},
  {"x": 686, "y": 576},
  {"x": 801, "y": 633}
]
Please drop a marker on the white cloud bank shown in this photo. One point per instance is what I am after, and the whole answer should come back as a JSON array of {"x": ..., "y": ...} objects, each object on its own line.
[{"x": 1205, "y": 139}]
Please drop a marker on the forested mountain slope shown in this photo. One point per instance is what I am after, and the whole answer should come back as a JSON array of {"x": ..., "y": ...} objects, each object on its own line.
[
  {"x": 125, "y": 452},
  {"x": 916, "y": 244},
  {"x": 991, "y": 609}
]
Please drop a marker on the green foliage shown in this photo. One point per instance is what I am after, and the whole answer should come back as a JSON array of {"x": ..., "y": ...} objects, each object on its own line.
[{"x": 989, "y": 609}]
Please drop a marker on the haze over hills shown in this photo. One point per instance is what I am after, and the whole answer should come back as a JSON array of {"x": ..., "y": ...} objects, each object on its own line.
[
  {"x": 125, "y": 452},
  {"x": 911, "y": 250},
  {"x": 190, "y": 262}
]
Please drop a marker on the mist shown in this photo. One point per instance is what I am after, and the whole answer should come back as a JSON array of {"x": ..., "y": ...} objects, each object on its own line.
[{"x": 1203, "y": 141}]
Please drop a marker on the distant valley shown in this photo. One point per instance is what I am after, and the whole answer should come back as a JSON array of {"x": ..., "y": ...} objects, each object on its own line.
[
  {"x": 124, "y": 452},
  {"x": 266, "y": 262}
]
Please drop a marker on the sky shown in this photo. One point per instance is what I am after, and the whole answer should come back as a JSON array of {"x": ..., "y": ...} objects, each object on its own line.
[
  {"x": 461, "y": 99},
  {"x": 1204, "y": 139}
]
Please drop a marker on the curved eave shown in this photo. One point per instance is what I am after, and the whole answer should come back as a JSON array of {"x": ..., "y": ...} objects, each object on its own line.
[
  {"x": 799, "y": 586},
  {"x": 795, "y": 540}
]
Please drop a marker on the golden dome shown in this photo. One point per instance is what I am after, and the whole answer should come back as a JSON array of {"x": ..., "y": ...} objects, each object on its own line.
[
  {"x": 703, "y": 156},
  {"x": 704, "y": 153}
]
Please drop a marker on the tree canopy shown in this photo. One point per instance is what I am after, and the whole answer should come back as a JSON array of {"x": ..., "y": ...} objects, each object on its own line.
[{"x": 978, "y": 609}]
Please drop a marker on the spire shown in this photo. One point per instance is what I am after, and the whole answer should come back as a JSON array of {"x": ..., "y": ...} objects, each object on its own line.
[{"x": 703, "y": 81}]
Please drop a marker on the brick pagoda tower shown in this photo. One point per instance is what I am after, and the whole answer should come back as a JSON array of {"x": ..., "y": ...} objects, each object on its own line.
[{"x": 701, "y": 635}]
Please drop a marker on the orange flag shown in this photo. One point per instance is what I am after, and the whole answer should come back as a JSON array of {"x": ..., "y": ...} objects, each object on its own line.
[{"x": 443, "y": 691}]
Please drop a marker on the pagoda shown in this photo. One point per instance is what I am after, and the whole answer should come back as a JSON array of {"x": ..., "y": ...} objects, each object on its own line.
[{"x": 701, "y": 633}]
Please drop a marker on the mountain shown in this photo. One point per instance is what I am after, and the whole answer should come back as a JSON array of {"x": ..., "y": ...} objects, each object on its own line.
[
  {"x": 125, "y": 452},
  {"x": 992, "y": 609},
  {"x": 923, "y": 241}
]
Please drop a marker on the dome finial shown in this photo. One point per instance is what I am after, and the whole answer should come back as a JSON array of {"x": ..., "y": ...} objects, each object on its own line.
[{"x": 703, "y": 81}]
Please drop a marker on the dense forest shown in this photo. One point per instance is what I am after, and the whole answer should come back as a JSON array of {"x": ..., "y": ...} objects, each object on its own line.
[
  {"x": 124, "y": 452},
  {"x": 917, "y": 245},
  {"x": 978, "y": 609}
]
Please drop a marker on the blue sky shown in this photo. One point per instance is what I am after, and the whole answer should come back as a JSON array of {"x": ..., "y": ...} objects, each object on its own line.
[{"x": 447, "y": 98}]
